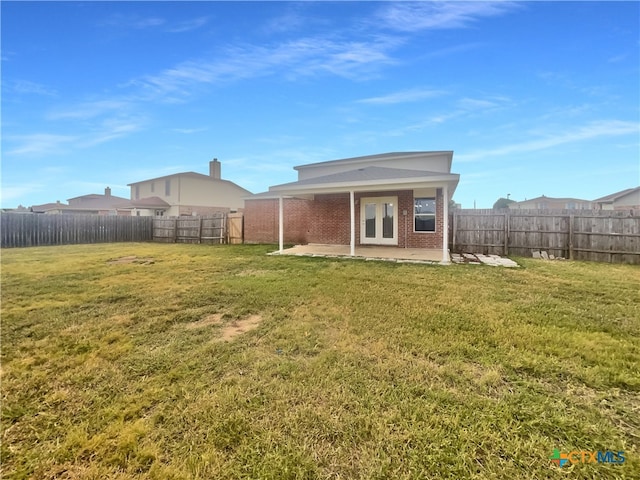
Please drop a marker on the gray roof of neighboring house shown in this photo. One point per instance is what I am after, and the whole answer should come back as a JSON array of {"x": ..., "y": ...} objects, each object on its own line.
[
  {"x": 95, "y": 202},
  {"x": 147, "y": 202},
  {"x": 614, "y": 196},
  {"x": 199, "y": 176},
  {"x": 554, "y": 199},
  {"x": 367, "y": 174},
  {"x": 48, "y": 206}
]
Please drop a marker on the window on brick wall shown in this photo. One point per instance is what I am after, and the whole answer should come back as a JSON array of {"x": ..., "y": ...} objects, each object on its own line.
[
  {"x": 167, "y": 188},
  {"x": 424, "y": 214}
]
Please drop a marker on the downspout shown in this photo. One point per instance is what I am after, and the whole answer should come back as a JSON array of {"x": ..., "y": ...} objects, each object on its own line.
[
  {"x": 352, "y": 223},
  {"x": 445, "y": 225}
]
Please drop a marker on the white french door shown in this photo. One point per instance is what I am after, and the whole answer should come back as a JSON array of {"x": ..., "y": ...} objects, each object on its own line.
[{"x": 379, "y": 220}]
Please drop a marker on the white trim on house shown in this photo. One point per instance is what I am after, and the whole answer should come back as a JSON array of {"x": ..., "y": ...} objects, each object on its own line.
[
  {"x": 445, "y": 224},
  {"x": 352, "y": 223}
]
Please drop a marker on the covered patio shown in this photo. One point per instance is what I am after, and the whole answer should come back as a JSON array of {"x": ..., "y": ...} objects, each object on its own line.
[
  {"x": 373, "y": 252},
  {"x": 387, "y": 206}
]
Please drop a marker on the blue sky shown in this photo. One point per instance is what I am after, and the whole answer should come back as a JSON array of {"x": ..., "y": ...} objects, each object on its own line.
[{"x": 533, "y": 97}]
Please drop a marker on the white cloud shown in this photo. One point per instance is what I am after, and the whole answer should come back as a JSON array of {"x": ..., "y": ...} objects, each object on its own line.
[
  {"x": 110, "y": 129},
  {"x": 39, "y": 143},
  {"x": 289, "y": 21},
  {"x": 132, "y": 21},
  {"x": 404, "y": 96},
  {"x": 53, "y": 144},
  {"x": 87, "y": 110},
  {"x": 189, "y": 25},
  {"x": 302, "y": 57},
  {"x": 188, "y": 131},
  {"x": 605, "y": 128},
  {"x": 415, "y": 16},
  {"x": 618, "y": 58},
  {"x": 476, "y": 104},
  {"x": 28, "y": 87},
  {"x": 11, "y": 192}
]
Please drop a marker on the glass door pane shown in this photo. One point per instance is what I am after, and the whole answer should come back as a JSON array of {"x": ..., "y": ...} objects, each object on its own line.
[
  {"x": 370, "y": 219},
  {"x": 387, "y": 220}
]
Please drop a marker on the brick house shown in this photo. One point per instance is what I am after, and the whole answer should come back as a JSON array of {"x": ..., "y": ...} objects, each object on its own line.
[{"x": 393, "y": 199}]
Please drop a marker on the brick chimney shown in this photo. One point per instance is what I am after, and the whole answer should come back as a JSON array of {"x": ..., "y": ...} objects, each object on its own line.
[
  {"x": 107, "y": 192},
  {"x": 214, "y": 169}
]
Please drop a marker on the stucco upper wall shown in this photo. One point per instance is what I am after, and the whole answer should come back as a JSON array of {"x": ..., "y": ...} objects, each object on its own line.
[
  {"x": 427, "y": 161},
  {"x": 189, "y": 190},
  {"x": 630, "y": 200}
]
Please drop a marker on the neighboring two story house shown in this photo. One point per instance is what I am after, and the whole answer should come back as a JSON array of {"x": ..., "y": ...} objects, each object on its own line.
[{"x": 187, "y": 193}]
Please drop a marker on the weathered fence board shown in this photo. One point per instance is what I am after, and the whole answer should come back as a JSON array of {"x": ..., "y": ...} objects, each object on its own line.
[
  {"x": 210, "y": 229},
  {"x": 597, "y": 235},
  {"x": 30, "y": 230},
  {"x": 235, "y": 228}
]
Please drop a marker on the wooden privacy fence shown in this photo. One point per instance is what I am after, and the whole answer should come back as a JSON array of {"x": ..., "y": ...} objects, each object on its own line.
[
  {"x": 30, "y": 230},
  {"x": 212, "y": 229},
  {"x": 597, "y": 235}
]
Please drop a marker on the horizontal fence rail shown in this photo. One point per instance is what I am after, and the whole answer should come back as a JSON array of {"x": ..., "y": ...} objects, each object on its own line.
[
  {"x": 597, "y": 235},
  {"x": 31, "y": 230}
]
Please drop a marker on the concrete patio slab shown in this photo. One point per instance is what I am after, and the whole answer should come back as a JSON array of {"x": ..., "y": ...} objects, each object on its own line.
[
  {"x": 395, "y": 254},
  {"x": 479, "y": 258}
]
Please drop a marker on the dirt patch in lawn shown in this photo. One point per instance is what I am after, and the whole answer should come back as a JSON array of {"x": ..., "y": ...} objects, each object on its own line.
[
  {"x": 131, "y": 259},
  {"x": 230, "y": 330}
]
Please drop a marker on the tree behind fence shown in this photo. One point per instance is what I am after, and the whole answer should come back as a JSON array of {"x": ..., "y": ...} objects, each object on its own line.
[
  {"x": 30, "y": 230},
  {"x": 596, "y": 235}
]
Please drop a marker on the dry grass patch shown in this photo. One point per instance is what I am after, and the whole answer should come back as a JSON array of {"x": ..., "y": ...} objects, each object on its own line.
[
  {"x": 229, "y": 330},
  {"x": 131, "y": 259}
]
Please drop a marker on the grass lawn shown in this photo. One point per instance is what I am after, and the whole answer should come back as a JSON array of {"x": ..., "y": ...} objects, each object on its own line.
[{"x": 198, "y": 362}]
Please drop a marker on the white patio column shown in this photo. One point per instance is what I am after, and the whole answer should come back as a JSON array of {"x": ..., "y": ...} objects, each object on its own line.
[
  {"x": 445, "y": 224},
  {"x": 352, "y": 204},
  {"x": 281, "y": 224}
]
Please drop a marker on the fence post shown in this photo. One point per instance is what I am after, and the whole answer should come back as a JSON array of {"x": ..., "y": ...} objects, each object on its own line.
[
  {"x": 175, "y": 230},
  {"x": 455, "y": 230},
  {"x": 570, "y": 237},
  {"x": 505, "y": 250}
]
